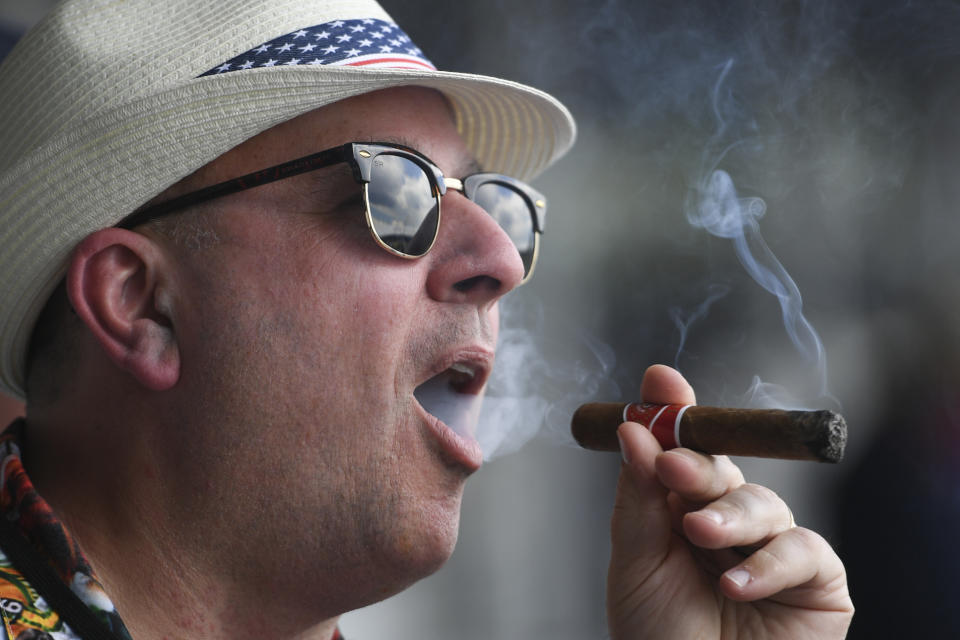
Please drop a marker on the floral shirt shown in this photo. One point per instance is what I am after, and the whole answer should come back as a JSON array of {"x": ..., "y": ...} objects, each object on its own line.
[{"x": 25, "y": 611}]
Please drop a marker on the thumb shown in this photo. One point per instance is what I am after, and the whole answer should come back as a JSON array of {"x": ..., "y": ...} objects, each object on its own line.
[{"x": 641, "y": 523}]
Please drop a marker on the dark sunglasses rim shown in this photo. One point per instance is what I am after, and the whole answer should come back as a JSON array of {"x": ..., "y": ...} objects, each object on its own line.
[{"x": 360, "y": 157}]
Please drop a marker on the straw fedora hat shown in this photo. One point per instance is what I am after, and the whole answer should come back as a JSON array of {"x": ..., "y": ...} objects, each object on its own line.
[{"x": 105, "y": 104}]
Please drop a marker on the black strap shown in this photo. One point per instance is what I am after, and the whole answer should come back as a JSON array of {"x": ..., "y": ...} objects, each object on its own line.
[{"x": 43, "y": 578}]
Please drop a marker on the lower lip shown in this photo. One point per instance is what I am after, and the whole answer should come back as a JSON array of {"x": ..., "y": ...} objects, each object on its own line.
[{"x": 462, "y": 450}]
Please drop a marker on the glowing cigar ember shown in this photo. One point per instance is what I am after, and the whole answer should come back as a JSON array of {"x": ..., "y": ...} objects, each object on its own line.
[{"x": 761, "y": 433}]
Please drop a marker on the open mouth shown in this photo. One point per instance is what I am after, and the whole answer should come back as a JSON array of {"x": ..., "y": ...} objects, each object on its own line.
[{"x": 454, "y": 397}]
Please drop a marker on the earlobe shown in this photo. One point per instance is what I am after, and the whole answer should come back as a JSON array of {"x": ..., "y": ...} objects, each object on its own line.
[{"x": 114, "y": 283}]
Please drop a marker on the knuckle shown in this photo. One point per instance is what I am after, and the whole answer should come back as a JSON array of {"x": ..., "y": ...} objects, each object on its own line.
[
  {"x": 759, "y": 493},
  {"x": 726, "y": 476},
  {"x": 770, "y": 560},
  {"x": 808, "y": 539},
  {"x": 793, "y": 544},
  {"x": 730, "y": 471},
  {"x": 752, "y": 496}
]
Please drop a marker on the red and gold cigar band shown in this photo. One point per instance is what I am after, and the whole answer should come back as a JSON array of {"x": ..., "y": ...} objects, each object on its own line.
[{"x": 663, "y": 420}]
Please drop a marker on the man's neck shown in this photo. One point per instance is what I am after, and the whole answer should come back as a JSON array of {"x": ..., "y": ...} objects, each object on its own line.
[{"x": 110, "y": 494}]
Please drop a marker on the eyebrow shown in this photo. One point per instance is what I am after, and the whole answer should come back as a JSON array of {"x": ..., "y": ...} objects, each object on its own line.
[
  {"x": 468, "y": 164},
  {"x": 329, "y": 181},
  {"x": 472, "y": 165}
]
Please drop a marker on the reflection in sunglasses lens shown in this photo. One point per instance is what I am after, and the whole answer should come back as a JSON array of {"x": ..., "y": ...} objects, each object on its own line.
[
  {"x": 512, "y": 213},
  {"x": 403, "y": 208}
]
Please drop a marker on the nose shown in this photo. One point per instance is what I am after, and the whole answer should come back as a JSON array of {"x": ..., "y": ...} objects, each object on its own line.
[{"x": 473, "y": 261}]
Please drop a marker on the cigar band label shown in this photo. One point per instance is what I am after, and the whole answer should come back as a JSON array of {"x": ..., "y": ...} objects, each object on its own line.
[{"x": 662, "y": 420}]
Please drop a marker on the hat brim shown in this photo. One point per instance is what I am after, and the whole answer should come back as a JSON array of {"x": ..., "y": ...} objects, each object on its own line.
[{"x": 101, "y": 171}]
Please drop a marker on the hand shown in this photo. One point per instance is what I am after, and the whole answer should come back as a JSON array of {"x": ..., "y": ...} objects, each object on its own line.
[{"x": 680, "y": 526}]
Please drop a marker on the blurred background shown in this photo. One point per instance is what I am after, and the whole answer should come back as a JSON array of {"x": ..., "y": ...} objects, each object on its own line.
[{"x": 818, "y": 141}]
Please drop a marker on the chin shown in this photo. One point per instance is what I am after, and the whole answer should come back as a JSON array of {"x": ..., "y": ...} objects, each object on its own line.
[{"x": 422, "y": 544}]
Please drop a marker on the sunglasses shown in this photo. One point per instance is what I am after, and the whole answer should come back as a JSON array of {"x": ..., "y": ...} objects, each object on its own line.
[{"x": 401, "y": 191}]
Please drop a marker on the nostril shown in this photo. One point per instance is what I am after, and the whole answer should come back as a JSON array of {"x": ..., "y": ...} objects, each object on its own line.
[{"x": 476, "y": 283}]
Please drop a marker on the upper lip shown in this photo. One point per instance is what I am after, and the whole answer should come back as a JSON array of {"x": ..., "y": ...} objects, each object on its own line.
[{"x": 473, "y": 361}]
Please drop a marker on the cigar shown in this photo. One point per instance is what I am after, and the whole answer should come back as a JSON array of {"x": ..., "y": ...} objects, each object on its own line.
[{"x": 761, "y": 433}]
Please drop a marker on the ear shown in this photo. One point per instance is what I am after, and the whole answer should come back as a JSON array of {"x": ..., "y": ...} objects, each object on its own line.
[{"x": 116, "y": 284}]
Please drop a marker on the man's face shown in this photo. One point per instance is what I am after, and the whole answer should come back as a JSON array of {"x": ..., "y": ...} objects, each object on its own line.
[{"x": 301, "y": 448}]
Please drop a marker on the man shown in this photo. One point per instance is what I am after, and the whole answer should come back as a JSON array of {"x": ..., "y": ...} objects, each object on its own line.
[{"x": 242, "y": 202}]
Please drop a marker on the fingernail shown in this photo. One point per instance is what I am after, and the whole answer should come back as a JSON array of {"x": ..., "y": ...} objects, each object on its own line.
[
  {"x": 739, "y": 577},
  {"x": 623, "y": 450},
  {"x": 713, "y": 516}
]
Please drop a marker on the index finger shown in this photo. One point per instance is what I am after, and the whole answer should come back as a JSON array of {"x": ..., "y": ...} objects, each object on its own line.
[{"x": 696, "y": 477}]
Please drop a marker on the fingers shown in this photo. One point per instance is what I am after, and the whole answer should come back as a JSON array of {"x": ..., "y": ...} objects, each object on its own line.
[
  {"x": 641, "y": 518},
  {"x": 697, "y": 477},
  {"x": 790, "y": 564},
  {"x": 795, "y": 558},
  {"x": 748, "y": 515},
  {"x": 705, "y": 500}
]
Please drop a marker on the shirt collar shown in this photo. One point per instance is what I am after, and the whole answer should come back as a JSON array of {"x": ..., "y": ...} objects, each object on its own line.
[{"x": 20, "y": 503}]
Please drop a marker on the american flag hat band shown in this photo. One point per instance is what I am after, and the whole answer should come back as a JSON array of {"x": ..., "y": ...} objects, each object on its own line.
[
  {"x": 366, "y": 42},
  {"x": 105, "y": 104}
]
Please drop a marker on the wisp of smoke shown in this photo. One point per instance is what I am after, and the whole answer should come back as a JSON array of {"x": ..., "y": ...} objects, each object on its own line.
[
  {"x": 538, "y": 383},
  {"x": 535, "y": 387},
  {"x": 718, "y": 209},
  {"x": 683, "y": 324}
]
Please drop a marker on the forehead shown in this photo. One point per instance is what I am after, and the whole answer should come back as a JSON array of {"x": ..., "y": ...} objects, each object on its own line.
[{"x": 414, "y": 116}]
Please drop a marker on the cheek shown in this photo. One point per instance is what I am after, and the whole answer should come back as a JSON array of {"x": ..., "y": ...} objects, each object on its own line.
[
  {"x": 385, "y": 294},
  {"x": 321, "y": 317},
  {"x": 359, "y": 321},
  {"x": 382, "y": 322}
]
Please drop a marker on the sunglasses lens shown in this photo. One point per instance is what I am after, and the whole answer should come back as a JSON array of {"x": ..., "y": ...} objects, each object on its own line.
[
  {"x": 512, "y": 213},
  {"x": 404, "y": 211}
]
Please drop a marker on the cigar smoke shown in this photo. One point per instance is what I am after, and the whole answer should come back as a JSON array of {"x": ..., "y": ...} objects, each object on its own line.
[
  {"x": 715, "y": 206},
  {"x": 684, "y": 322},
  {"x": 538, "y": 383}
]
